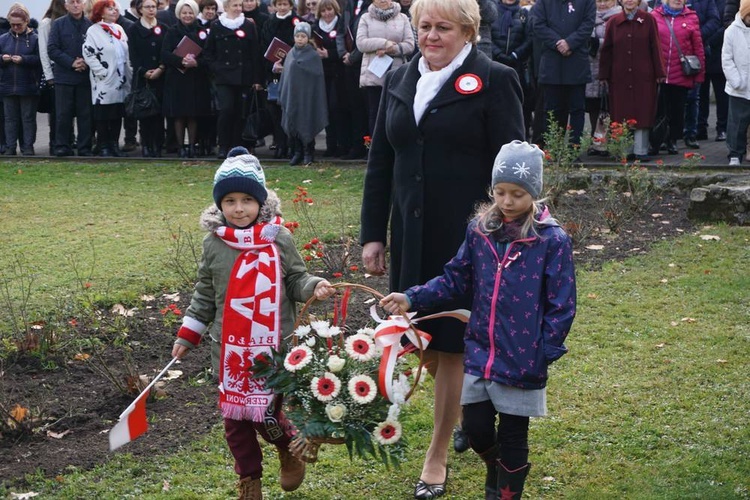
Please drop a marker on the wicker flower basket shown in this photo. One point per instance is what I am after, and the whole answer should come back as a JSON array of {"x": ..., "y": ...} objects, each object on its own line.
[{"x": 305, "y": 446}]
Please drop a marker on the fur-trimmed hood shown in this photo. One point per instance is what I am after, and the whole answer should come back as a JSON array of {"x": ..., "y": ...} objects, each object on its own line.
[{"x": 212, "y": 218}]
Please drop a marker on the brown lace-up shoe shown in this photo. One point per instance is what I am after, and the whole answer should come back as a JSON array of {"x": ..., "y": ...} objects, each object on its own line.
[
  {"x": 250, "y": 489},
  {"x": 292, "y": 471}
]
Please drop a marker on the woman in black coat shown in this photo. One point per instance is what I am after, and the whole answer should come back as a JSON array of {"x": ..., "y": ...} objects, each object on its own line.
[
  {"x": 233, "y": 53},
  {"x": 324, "y": 38},
  {"x": 145, "y": 39},
  {"x": 427, "y": 169},
  {"x": 279, "y": 25},
  {"x": 186, "y": 88}
]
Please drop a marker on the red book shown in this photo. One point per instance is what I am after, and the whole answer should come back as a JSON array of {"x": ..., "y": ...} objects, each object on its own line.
[
  {"x": 317, "y": 39},
  {"x": 187, "y": 46},
  {"x": 277, "y": 50},
  {"x": 349, "y": 40}
]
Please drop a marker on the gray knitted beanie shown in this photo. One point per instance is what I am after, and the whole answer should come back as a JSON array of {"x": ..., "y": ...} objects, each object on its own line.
[{"x": 520, "y": 163}]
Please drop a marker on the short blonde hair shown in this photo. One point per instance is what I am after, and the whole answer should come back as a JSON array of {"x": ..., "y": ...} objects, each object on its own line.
[
  {"x": 463, "y": 12},
  {"x": 190, "y": 3}
]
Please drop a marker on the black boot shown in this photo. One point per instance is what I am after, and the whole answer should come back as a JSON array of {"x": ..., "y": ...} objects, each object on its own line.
[
  {"x": 510, "y": 482},
  {"x": 490, "y": 458},
  {"x": 460, "y": 439},
  {"x": 184, "y": 152},
  {"x": 672, "y": 147},
  {"x": 309, "y": 153},
  {"x": 298, "y": 151}
]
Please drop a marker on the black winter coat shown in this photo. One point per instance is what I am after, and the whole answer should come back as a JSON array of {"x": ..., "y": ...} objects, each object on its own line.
[
  {"x": 572, "y": 21},
  {"x": 517, "y": 40},
  {"x": 65, "y": 44},
  {"x": 144, "y": 46},
  {"x": 186, "y": 92},
  {"x": 234, "y": 56},
  {"x": 427, "y": 177},
  {"x": 283, "y": 29}
]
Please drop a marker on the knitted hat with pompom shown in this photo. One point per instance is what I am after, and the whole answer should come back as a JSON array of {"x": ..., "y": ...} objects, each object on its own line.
[{"x": 240, "y": 173}]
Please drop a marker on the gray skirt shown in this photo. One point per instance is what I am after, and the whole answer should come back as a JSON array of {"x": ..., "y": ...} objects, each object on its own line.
[{"x": 506, "y": 399}]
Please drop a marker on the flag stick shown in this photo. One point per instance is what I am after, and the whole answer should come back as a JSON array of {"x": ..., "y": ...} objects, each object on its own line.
[{"x": 149, "y": 386}]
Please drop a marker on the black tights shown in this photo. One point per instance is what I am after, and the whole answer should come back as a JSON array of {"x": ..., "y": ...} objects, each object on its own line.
[{"x": 512, "y": 435}]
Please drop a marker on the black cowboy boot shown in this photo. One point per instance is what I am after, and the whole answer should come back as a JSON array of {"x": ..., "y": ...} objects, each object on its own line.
[{"x": 510, "y": 482}]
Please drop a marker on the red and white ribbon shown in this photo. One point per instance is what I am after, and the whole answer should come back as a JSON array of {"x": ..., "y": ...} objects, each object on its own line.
[{"x": 388, "y": 335}]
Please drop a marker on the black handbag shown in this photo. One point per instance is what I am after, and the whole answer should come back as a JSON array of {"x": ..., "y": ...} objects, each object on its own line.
[
  {"x": 257, "y": 121},
  {"x": 46, "y": 103},
  {"x": 141, "y": 102},
  {"x": 691, "y": 65},
  {"x": 660, "y": 131}
]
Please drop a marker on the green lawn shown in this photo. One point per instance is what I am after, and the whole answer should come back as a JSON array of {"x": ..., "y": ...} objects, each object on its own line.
[{"x": 650, "y": 403}]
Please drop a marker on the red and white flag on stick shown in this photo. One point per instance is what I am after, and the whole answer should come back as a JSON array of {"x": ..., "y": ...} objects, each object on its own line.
[{"x": 133, "y": 421}]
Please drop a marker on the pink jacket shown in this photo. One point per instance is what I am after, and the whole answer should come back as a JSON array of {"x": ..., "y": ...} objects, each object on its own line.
[{"x": 687, "y": 30}]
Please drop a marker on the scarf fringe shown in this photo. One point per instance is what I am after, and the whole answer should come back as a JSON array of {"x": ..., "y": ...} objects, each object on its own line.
[{"x": 239, "y": 412}]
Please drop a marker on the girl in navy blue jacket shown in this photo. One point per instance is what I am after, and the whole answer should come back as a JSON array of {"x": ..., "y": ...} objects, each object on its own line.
[{"x": 516, "y": 264}]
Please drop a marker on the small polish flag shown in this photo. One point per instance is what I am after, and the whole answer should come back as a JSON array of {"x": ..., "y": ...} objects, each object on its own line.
[{"x": 132, "y": 423}]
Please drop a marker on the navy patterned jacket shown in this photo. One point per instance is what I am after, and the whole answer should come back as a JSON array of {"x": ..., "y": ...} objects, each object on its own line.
[{"x": 523, "y": 303}]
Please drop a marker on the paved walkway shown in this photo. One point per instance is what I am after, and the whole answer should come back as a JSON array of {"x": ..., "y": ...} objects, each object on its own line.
[{"x": 715, "y": 153}]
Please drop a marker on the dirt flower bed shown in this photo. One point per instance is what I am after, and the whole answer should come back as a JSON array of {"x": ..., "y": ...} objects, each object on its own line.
[{"x": 74, "y": 405}]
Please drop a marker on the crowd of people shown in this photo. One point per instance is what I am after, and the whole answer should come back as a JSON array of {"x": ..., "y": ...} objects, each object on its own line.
[{"x": 585, "y": 56}]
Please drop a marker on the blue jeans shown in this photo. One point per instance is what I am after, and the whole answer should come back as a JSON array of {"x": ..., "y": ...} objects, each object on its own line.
[
  {"x": 20, "y": 115},
  {"x": 692, "y": 105}
]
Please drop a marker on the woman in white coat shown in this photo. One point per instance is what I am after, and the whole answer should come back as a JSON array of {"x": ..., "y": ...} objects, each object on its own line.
[
  {"x": 383, "y": 31},
  {"x": 105, "y": 51}
]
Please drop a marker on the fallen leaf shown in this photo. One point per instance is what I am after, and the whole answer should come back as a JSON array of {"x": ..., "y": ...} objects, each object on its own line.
[
  {"x": 165, "y": 485},
  {"x": 147, "y": 298},
  {"x": 595, "y": 247},
  {"x": 592, "y": 296},
  {"x": 307, "y": 181},
  {"x": 57, "y": 435},
  {"x": 120, "y": 309},
  {"x": 666, "y": 222},
  {"x": 673, "y": 323},
  {"x": 722, "y": 361},
  {"x": 19, "y": 413},
  {"x": 81, "y": 356},
  {"x": 709, "y": 237},
  {"x": 665, "y": 280},
  {"x": 660, "y": 346},
  {"x": 688, "y": 320},
  {"x": 548, "y": 478},
  {"x": 173, "y": 374},
  {"x": 24, "y": 496},
  {"x": 656, "y": 216},
  {"x": 671, "y": 264},
  {"x": 174, "y": 297}
]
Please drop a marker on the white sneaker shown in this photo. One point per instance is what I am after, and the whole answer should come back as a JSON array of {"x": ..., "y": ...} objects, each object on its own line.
[{"x": 734, "y": 162}]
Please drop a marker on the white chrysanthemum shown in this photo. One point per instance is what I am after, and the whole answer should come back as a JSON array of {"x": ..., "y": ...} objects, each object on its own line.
[
  {"x": 298, "y": 358},
  {"x": 326, "y": 387},
  {"x": 360, "y": 347},
  {"x": 387, "y": 432},
  {"x": 367, "y": 331},
  {"x": 334, "y": 331},
  {"x": 335, "y": 363},
  {"x": 310, "y": 341},
  {"x": 302, "y": 330},
  {"x": 321, "y": 328},
  {"x": 393, "y": 412},
  {"x": 362, "y": 389}
]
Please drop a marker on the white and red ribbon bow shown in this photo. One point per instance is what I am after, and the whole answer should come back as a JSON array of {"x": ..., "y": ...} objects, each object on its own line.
[{"x": 388, "y": 335}]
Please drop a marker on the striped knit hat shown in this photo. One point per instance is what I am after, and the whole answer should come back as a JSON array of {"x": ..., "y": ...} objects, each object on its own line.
[{"x": 240, "y": 173}]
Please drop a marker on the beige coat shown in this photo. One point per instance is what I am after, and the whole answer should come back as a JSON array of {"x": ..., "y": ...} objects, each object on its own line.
[{"x": 372, "y": 34}]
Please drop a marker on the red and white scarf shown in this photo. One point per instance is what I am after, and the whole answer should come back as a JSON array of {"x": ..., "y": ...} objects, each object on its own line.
[{"x": 252, "y": 322}]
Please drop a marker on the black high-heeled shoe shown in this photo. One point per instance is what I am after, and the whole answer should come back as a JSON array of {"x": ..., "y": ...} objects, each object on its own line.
[{"x": 425, "y": 491}]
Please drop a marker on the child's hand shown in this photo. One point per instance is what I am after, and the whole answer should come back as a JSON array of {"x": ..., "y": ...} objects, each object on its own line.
[
  {"x": 178, "y": 351},
  {"x": 395, "y": 303},
  {"x": 323, "y": 290}
]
